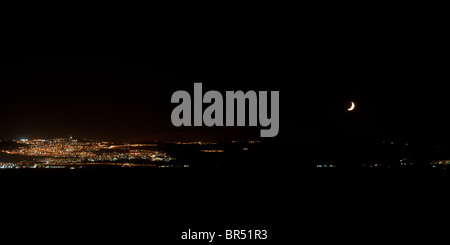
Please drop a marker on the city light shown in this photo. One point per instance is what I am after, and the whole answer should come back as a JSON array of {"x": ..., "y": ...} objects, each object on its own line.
[{"x": 73, "y": 153}]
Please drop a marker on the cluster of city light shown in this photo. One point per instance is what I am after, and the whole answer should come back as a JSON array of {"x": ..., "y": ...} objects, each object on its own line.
[
  {"x": 77, "y": 165},
  {"x": 68, "y": 151},
  {"x": 441, "y": 162},
  {"x": 212, "y": 151},
  {"x": 7, "y": 165},
  {"x": 196, "y": 143}
]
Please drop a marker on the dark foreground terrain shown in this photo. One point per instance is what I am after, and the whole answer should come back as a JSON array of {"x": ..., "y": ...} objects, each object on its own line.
[{"x": 135, "y": 205}]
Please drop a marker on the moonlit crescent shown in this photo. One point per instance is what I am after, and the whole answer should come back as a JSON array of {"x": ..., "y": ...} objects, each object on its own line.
[{"x": 351, "y": 107}]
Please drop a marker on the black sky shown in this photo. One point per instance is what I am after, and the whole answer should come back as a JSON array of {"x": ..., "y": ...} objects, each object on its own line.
[{"x": 110, "y": 82}]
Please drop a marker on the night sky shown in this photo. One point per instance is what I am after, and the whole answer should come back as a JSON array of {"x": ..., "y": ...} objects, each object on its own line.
[{"x": 101, "y": 83}]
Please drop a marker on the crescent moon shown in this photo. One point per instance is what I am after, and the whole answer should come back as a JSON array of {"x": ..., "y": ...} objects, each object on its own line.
[{"x": 351, "y": 107}]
